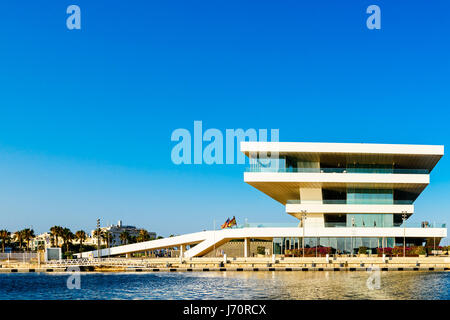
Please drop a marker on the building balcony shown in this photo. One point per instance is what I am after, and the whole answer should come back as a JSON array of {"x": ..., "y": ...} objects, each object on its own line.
[
  {"x": 408, "y": 225},
  {"x": 270, "y": 230},
  {"x": 355, "y": 176},
  {"x": 343, "y": 201},
  {"x": 283, "y": 186},
  {"x": 336, "y": 170},
  {"x": 343, "y": 207}
]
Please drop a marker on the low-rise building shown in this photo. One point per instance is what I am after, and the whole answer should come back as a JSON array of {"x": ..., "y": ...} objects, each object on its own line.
[
  {"x": 47, "y": 240},
  {"x": 42, "y": 241},
  {"x": 116, "y": 230}
]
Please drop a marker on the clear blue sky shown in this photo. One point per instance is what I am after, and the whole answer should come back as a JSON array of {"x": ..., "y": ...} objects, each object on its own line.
[{"x": 86, "y": 116}]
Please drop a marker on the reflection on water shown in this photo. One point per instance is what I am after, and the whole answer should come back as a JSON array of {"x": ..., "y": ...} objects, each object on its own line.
[{"x": 229, "y": 285}]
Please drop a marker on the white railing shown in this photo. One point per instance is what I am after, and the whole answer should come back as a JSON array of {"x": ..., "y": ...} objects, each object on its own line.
[
  {"x": 19, "y": 256},
  {"x": 102, "y": 261}
]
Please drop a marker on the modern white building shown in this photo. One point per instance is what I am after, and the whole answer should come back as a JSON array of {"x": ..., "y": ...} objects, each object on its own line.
[
  {"x": 347, "y": 195},
  {"x": 344, "y": 195}
]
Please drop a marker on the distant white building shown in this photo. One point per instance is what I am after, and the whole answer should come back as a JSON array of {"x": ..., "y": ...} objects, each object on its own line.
[
  {"x": 46, "y": 240},
  {"x": 116, "y": 230},
  {"x": 42, "y": 241}
]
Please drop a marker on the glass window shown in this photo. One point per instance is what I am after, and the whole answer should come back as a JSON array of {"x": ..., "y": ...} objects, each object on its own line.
[
  {"x": 370, "y": 196},
  {"x": 370, "y": 220}
]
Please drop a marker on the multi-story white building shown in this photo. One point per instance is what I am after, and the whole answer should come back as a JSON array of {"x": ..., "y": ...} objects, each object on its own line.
[
  {"x": 344, "y": 195},
  {"x": 41, "y": 241},
  {"x": 347, "y": 195},
  {"x": 116, "y": 230}
]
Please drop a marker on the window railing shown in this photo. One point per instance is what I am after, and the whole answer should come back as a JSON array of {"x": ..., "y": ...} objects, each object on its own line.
[
  {"x": 372, "y": 201},
  {"x": 337, "y": 225},
  {"x": 423, "y": 225},
  {"x": 336, "y": 170},
  {"x": 267, "y": 225}
]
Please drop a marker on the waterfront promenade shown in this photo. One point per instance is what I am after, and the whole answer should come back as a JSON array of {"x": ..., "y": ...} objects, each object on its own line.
[{"x": 438, "y": 263}]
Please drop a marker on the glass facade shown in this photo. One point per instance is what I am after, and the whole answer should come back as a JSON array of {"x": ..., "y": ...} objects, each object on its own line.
[
  {"x": 370, "y": 196},
  {"x": 373, "y": 220},
  {"x": 292, "y": 164},
  {"x": 347, "y": 245},
  {"x": 360, "y": 220},
  {"x": 369, "y": 168},
  {"x": 267, "y": 164}
]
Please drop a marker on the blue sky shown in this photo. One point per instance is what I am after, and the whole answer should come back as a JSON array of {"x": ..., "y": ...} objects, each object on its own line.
[{"x": 86, "y": 115}]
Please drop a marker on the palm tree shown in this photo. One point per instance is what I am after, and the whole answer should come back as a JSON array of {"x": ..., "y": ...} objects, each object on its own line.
[
  {"x": 67, "y": 236},
  {"x": 56, "y": 232},
  {"x": 60, "y": 233},
  {"x": 18, "y": 235},
  {"x": 132, "y": 239},
  {"x": 81, "y": 235},
  {"x": 27, "y": 235},
  {"x": 124, "y": 236},
  {"x": 143, "y": 236},
  {"x": 106, "y": 235},
  {"x": 98, "y": 233},
  {"x": 5, "y": 236}
]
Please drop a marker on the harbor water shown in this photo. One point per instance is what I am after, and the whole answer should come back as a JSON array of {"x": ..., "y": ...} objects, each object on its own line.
[{"x": 227, "y": 285}]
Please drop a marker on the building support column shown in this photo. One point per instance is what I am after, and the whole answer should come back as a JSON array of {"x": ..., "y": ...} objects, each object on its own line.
[
  {"x": 246, "y": 247},
  {"x": 182, "y": 250}
]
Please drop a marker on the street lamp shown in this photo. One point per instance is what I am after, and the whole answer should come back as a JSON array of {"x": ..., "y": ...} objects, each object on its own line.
[
  {"x": 214, "y": 236},
  {"x": 351, "y": 235},
  {"x": 303, "y": 240},
  {"x": 98, "y": 238},
  {"x": 404, "y": 217}
]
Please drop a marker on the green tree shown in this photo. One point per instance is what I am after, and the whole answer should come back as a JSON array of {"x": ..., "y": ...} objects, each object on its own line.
[
  {"x": 27, "y": 235},
  {"x": 98, "y": 233},
  {"x": 132, "y": 239},
  {"x": 124, "y": 237},
  {"x": 81, "y": 235},
  {"x": 4, "y": 236},
  {"x": 56, "y": 232},
  {"x": 143, "y": 236},
  {"x": 67, "y": 237},
  {"x": 18, "y": 236},
  {"x": 106, "y": 236}
]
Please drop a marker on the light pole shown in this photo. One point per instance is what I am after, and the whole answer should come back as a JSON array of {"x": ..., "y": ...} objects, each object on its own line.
[
  {"x": 214, "y": 236},
  {"x": 317, "y": 243},
  {"x": 303, "y": 240},
  {"x": 109, "y": 244},
  {"x": 404, "y": 216},
  {"x": 98, "y": 238},
  {"x": 351, "y": 235}
]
